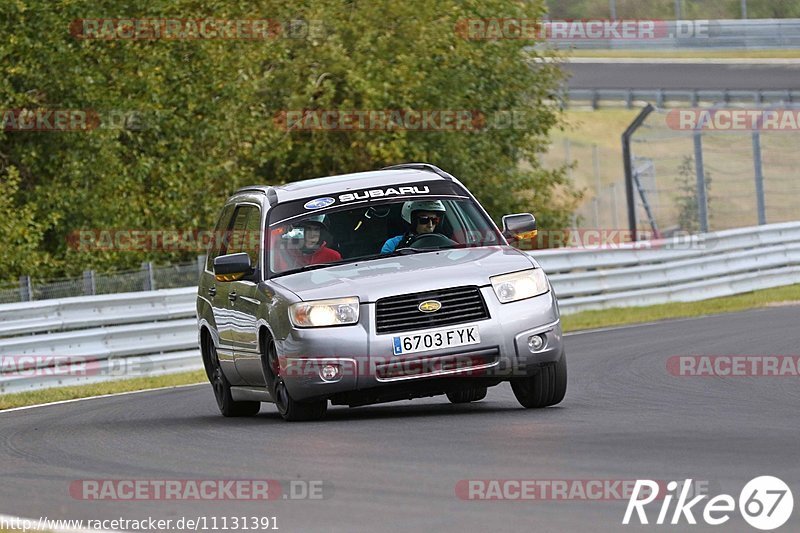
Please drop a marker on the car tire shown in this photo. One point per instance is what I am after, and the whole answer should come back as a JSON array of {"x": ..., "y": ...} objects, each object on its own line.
[
  {"x": 222, "y": 389},
  {"x": 289, "y": 408},
  {"x": 545, "y": 388},
  {"x": 293, "y": 411},
  {"x": 472, "y": 394}
]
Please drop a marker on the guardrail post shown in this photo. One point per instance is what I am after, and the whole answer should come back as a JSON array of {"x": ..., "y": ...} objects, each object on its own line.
[
  {"x": 25, "y": 289},
  {"x": 760, "y": 203},
  {"x": 702, "y": 200},
  {"x": 629, "y": 99},
  {"x": 149, "y": 280},
  {"x": 695, "y": 98},
  {"x": 595, "y": 100},
  {"x": 89, "y": 283}
]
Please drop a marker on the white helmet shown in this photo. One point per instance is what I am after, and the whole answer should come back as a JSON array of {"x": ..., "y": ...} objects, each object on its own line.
[
  {"x": 320, "y": 220},
  {"x": 421, "y": 205}
]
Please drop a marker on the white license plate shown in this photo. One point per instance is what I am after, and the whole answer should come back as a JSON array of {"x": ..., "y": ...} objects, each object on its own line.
[{"x": 436, "y": 339}]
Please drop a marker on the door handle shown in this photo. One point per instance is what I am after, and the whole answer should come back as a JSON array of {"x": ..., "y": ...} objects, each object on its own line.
[
  {"x": 212, "y": 291},
  {"x": 232, "y": 296}
]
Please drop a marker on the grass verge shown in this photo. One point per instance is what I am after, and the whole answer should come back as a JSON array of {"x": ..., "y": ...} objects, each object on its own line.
[
  {"x": 57, "y": 394},
  {"x": 636, "y": 315},
  {"x": 576, "y": 322}
]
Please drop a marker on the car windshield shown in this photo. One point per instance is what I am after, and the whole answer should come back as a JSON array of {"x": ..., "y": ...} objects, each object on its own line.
[{"x": 375, "y": 229}]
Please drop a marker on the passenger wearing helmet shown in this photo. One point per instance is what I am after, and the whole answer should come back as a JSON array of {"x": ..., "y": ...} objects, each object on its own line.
[
  {"x": 423, "y": 216},
  {"x": 314, "y": 248}
]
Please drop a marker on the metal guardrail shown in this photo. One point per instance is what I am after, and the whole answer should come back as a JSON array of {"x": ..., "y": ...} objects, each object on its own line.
[
  {"x": 155, "y": 332},
  {"x": 48, "y": 316},
  {"x": 661, "y": 98}
]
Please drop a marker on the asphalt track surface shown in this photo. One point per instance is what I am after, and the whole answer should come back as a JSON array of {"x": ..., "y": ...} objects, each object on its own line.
[
  {"x": 747, "y": 76},
  {"x": 394, "y": 467}
]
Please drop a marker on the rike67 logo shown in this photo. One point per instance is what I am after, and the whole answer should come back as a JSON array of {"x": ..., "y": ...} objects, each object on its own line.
[{"x": 766, "y": 503}]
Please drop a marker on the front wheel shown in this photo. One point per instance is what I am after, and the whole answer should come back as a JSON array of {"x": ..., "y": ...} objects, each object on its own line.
[
  {"x": 289, "y": 408},
  {"x": 294, "y": 411},
  {"x": 543, "y": 389}
]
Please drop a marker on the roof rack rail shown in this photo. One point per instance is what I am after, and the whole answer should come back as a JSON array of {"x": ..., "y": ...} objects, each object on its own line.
[
  {"x": 421, "y": 166},
  {"x": 272, "y": 197}
]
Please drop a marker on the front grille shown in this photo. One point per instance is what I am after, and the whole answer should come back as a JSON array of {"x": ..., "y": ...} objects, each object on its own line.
[{"x": 401, "y": 313}]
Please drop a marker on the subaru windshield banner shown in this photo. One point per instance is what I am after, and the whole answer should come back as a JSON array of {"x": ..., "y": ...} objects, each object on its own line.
[{"x": 349, "y": 198}]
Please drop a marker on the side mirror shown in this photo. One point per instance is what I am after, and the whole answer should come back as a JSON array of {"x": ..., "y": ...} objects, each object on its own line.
[
  {"x": 518, "y": 228},
  {"x": 232, "y": 267}
]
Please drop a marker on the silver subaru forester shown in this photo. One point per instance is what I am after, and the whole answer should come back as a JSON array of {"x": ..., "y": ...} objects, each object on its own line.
[{"x": 373, "y": 287}]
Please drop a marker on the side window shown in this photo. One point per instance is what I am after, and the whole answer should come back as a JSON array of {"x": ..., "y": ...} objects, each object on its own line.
[
  {"x": 246, "y": 233},
  {"x": 219, "y": 236}
]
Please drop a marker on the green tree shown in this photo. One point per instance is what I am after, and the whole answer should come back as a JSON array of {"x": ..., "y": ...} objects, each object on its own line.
[
  {"x": 201, "y": 113},
  {"x": 22, "y": 229}
]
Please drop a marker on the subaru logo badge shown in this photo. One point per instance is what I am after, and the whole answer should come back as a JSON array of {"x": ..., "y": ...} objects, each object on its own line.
[
  {"x": 319, "y": 203},
  {"x": 429, "y": 306}
]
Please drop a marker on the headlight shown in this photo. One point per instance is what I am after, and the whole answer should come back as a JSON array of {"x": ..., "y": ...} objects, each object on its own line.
[
  {"x": 322, "y": 313},
  {"x": 520, "y": 285}
]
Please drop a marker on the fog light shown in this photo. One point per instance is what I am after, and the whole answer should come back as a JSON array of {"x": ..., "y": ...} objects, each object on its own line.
[
  {"x": 329, "y": 372},
  {"x": 535, "y": 343}
]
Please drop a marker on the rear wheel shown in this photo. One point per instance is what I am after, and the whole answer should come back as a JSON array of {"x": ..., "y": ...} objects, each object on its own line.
[
  {"x": 222, "y": 388},
  {"x": 289, "y": 408},
  {"x": 543, "y": 389},
  {"x": 472, "y": 394}
]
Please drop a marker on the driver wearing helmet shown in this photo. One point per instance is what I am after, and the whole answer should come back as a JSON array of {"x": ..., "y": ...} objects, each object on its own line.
[
  {"x": 314, "y": 248},
  {"x": 423, "y": 216}
]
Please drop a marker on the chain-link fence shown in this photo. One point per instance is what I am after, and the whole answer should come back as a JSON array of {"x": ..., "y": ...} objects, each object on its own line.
[
  {"x": 147, "y": 278},
  {"x": 748, "y": 161},
  {"x": 710, "y": 169}
]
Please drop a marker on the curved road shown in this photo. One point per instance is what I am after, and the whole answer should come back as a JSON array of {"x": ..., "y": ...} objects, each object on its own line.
[
  {"x": 394, "y": 467},
  {"x": 616, "y": 74}
]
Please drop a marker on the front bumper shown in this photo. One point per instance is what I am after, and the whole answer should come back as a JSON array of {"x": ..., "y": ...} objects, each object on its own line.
[{"x": 365, "y": 359}]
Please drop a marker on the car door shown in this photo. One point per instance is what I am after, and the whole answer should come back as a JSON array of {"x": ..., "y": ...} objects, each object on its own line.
[
  {"x": 244, "y": 300},
  {"x": 216, "y": 293}
]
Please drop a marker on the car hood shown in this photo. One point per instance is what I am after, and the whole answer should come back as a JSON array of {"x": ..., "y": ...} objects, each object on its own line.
[{"x": 377, "y": 278}]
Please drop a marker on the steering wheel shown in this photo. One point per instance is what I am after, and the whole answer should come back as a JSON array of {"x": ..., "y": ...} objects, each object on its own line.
[{"x": 430, "y": 240}]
